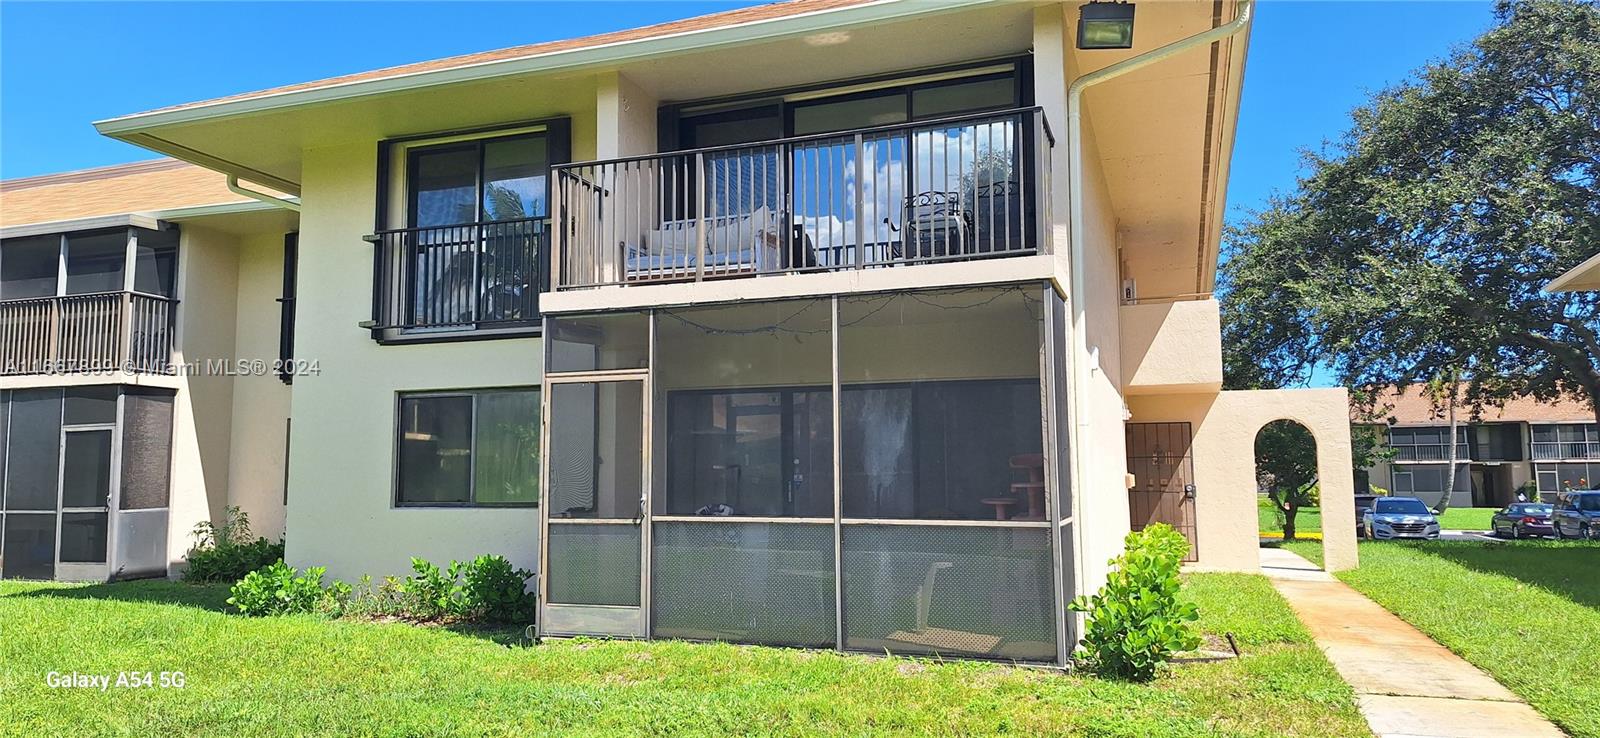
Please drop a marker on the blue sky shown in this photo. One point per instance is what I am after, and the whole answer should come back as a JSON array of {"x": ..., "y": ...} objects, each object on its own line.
[{"x": 63, "y": 65}]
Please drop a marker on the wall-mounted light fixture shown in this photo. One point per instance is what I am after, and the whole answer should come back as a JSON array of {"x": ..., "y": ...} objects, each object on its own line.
[{"x": 1107, "y": 25}]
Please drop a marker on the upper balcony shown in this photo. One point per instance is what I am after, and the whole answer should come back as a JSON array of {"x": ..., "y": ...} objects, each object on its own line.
[
  {"x": 1564, "y": 441},
  {"x": 91, "y": 333},
  {"x": 92, "y": 302},
  {"x": 480, "y": 276},
  {"x": 954, "y": 189}
]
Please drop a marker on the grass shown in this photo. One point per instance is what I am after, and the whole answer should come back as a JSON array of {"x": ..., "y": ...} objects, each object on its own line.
[
  {"x": 1467, "y": 518},
  {"x": 303, "y": 675},
  {"x": 1306, "y": 520},
  {"x": 1527, "y": 612},
  {"x": 1309, "y": 519}
]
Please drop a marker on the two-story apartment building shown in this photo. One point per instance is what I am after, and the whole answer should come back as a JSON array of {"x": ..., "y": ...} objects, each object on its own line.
[
  {"x": 1528, "y": 447},
  {"x": 871, "y": 324},
  {"x": 139, "y": 335}
]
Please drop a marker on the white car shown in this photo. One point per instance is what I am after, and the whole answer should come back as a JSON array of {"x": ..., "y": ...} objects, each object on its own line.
[{"x": 1400, "y": 517}]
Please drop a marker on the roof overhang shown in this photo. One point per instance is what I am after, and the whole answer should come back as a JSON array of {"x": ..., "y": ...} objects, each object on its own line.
[
  {"x": 1584, "y": 277},
  {"x": 136, "y": 220},
  {"x": 229, "y": 216},
  {"x": 145, "y": 129}
]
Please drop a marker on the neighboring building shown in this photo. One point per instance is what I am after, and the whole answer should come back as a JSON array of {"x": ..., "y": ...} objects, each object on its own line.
[
  {"x": 129, "y": 296},
  {"x": 1524, "y": 446},
  {"x": 817, "y": 323}
]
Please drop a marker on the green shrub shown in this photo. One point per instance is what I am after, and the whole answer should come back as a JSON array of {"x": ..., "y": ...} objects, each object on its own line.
[
  {"x": 226, "y": 552},
  {"x": 493, "y": 590},
  {"x": 1136, "y": 621},
  {"x": 278, "y": 590},
  {"x": 386, "y": 599},
  {"x": 431, "y": 593}
]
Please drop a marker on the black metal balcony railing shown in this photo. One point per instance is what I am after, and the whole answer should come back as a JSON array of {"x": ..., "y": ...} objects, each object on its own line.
[
  {"x": 1565, "y": 450},
  {"x": 462, "y": 277},
  {"x": 97, "y": 332},
  {"x": 959, "y": 188}
]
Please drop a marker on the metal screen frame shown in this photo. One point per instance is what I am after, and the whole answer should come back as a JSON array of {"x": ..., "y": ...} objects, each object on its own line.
[
  {"x": 1056, "y": 526},
  {"x": 617, "y": 621}
]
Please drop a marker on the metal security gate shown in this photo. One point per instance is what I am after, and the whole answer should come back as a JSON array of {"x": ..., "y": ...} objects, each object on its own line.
[{"x": 1162, "y": 466}]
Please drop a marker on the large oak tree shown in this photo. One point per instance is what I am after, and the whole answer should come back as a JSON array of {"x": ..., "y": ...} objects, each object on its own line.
[{"x": 1416, "y": 246}]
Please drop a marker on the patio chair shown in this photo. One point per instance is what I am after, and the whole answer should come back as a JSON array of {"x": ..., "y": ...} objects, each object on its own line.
[{"x": 937, "y": 224}]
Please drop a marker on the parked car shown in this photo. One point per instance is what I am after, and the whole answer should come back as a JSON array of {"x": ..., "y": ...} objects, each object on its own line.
[
  {"x": 1522, "y": 519},
  {"x": 1577, "y": 515},
  {"x": 1363, "y": 504},
  {"x": 1400, "y": 517}
]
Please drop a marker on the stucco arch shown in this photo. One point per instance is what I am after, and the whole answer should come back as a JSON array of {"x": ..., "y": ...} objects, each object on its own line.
[{"x": 1225, "y": 425}]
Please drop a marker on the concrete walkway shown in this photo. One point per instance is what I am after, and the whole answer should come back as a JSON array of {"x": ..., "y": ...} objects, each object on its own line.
[{"x": 1406, "y": 684}]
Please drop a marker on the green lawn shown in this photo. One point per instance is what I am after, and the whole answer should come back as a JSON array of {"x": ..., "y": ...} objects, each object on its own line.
[
  {"x": 1527, "y": 612},
  {"x": 305, "y": 675},
  {"x": 1306, "y": 520},
  {"x": 1309, "y": 519},
  {"x": 1467, "y": 518}
]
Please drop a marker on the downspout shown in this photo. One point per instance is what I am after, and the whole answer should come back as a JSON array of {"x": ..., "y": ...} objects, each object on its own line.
[
  {"x": 233, "y": 186},
  {"x": 1079, "y": 356}
]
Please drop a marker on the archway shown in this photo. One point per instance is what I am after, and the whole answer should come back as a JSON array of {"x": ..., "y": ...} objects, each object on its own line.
[
  {"x": 1225, "y": 426},
  {"x": 1288, "y": 494}
]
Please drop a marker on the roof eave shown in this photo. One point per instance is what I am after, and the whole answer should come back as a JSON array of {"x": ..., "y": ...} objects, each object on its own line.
[
  {"x": 1588, "y": 271},
  {"x": 149, "y": 219},
  {"x": 129, "y": 127}
]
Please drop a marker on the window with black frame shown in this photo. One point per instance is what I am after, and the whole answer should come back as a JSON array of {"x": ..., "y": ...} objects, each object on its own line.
[
  {"x": 477, "y": 447},
  {"x": 475, "y": 212}
]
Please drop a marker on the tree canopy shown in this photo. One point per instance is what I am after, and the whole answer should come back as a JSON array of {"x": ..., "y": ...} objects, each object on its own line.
[{"x": 1417, "y": 245}]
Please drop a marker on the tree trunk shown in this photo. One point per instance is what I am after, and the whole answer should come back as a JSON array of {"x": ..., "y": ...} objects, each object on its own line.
[
  {"x": 1288, "y": 520},
  {"x": 1450, "y": 483}
]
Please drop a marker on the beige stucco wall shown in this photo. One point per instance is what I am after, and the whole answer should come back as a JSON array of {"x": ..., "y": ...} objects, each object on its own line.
[
  {"x": 1100, "y": 498},
  {"x": 1171, "y": 347},
  {"x": 207, "y": 295},
  {"x": 341, "y": 511},
  {"x": 260, "y": 400},
  {"x": 1224, "y": 425}
]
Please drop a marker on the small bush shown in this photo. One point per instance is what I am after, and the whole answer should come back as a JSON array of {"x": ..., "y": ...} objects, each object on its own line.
[
  {"x": 278, "y": 590},
  {"x": 386, "y": 599},
  {"x": 1136, "y": 621},
  {"x": 431, "y": 593},
  {"x": 226, "y": 552},
  {"x": 496, "y": 591},
  {"x": 486, "y": 588}
]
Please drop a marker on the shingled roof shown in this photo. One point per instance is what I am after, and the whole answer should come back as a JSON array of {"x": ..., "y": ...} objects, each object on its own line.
[
  {"x": 1412, "y": 407},
  {"x": 140, "y": 187}
]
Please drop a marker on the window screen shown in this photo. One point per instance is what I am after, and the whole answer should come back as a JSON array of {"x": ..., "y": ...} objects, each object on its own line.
[
  {"x": 35, "y": 450},
  {"x": 938, "y": 450},
  {"x": 83, "y": 537},
  {"x": 86, "y": 469},
  {"x": 28, "y": 267},
  {"x": 90, "y": 405},
  {"x": 968, "y": 591},
  {"x": 155, "y": 263},
  {"x": 95, "y": 262},
  {"x": 30, "y": 546},
  {"x": 146, "y": 448}
]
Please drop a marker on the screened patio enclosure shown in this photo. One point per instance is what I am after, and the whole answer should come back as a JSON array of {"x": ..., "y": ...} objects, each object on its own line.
[{"x": 865, "y": 472}]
